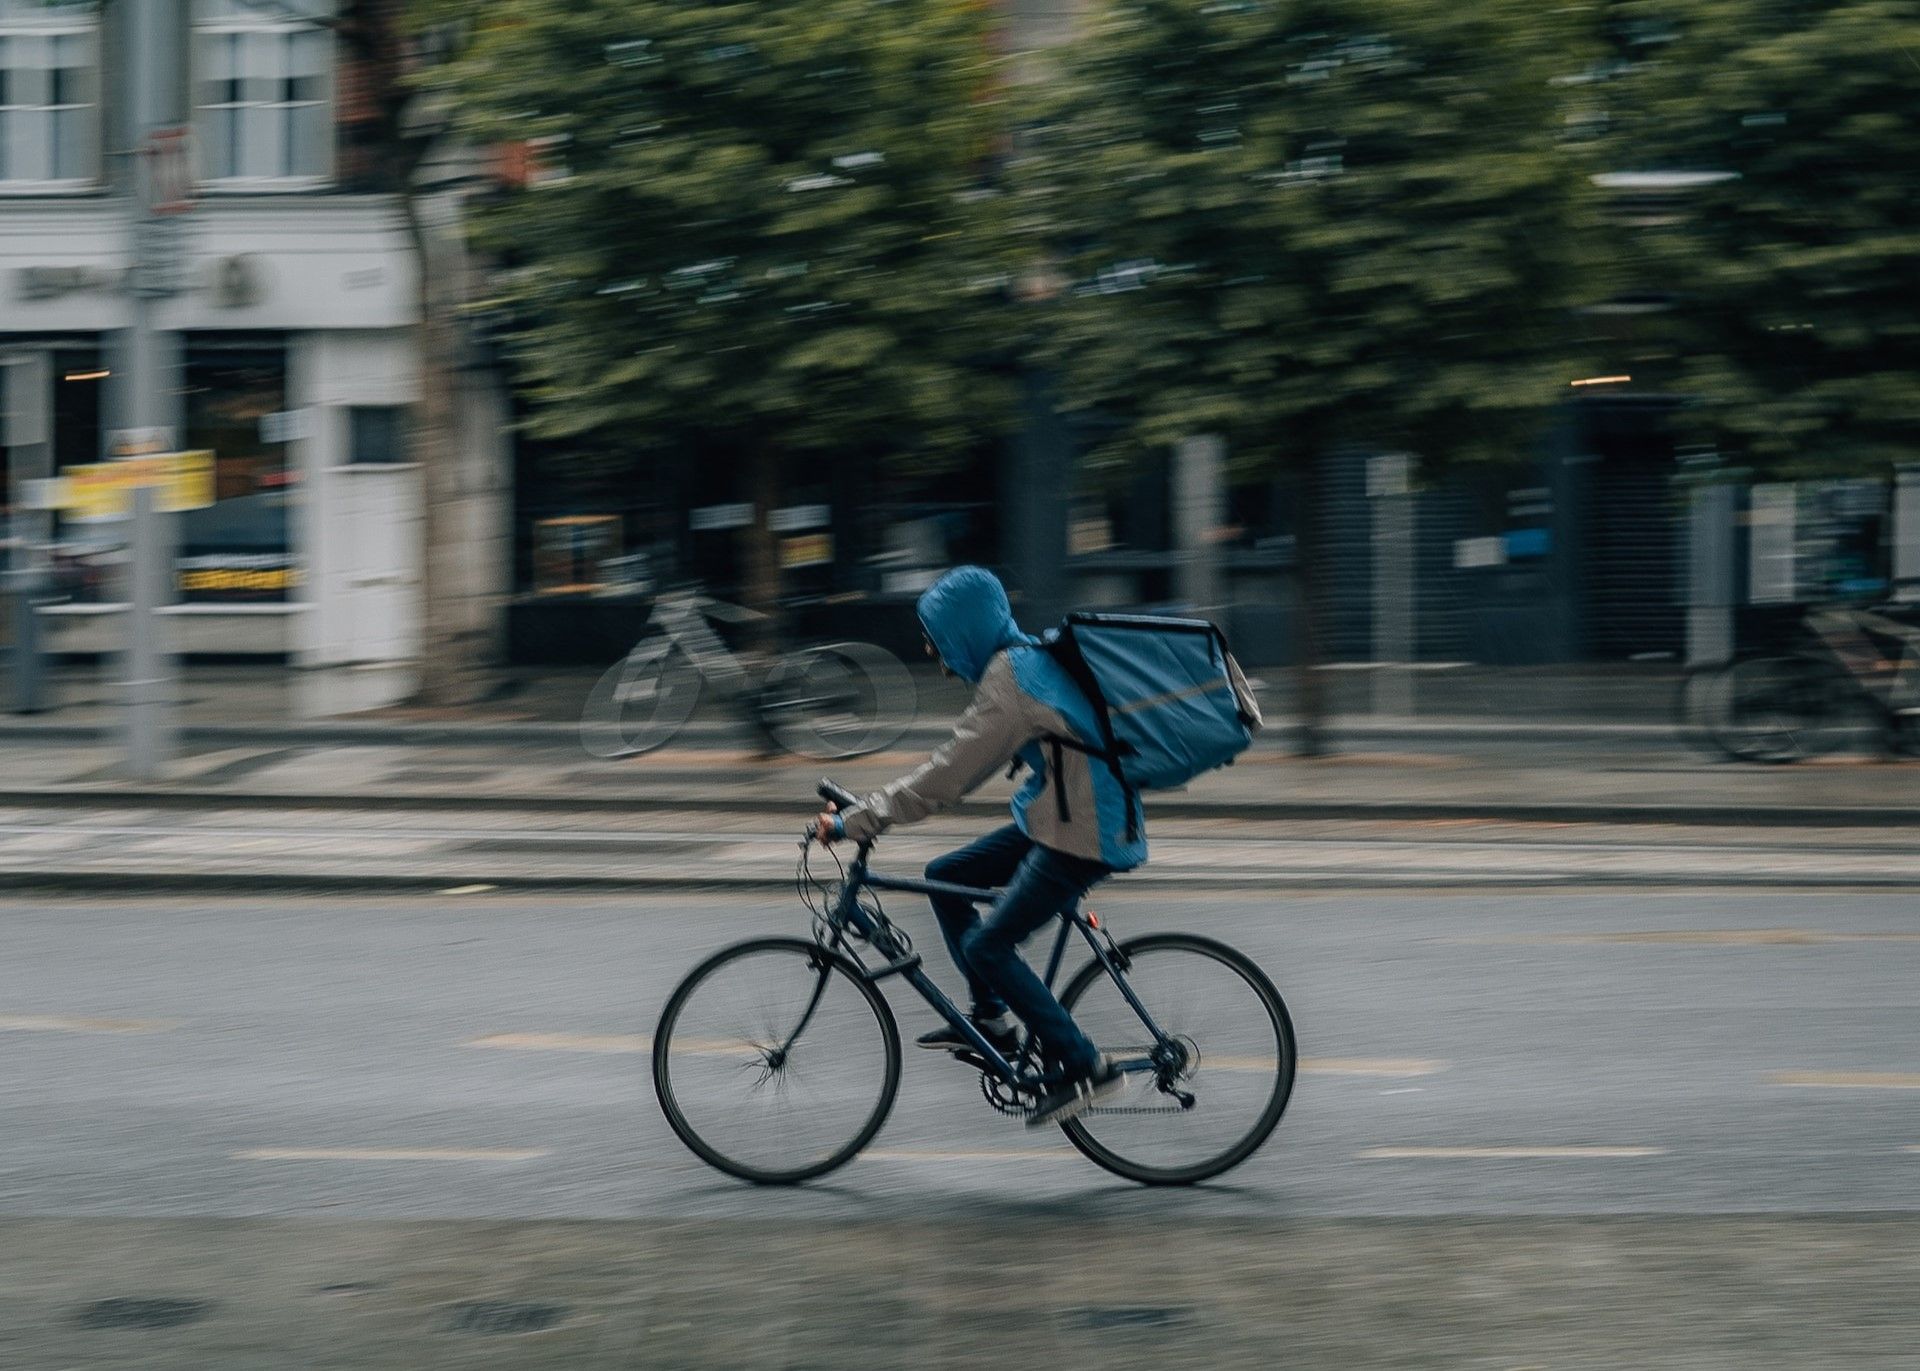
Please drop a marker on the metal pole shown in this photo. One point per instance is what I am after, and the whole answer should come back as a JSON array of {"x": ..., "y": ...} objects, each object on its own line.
[
  {"x": 145, "y": 395},
  {"x": 26, "y": 383},
  {"x": 1906, "y": 534},
  {"x": 1710, "y": 573},
  {"x": 1393, "y": 646},
  {"x": 149, "y": 666},
  {"x": 1198, "y": 501}
]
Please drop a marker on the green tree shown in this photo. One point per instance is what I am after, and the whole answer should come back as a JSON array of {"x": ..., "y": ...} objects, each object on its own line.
[
  {"x": 1308, "y": 226},
  {"x": 759, "y": 240},
  {"x": 1794, "y": 275}
]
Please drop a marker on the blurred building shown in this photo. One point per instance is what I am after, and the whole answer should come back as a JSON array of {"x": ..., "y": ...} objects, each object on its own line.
[{"x": 284, "y": 291}]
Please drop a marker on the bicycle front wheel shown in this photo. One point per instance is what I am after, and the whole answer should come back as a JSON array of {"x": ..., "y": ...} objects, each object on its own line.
[
  {"x": 1238, "y": 1052},
  {"x": 775, "y": 1061},
  {"x": 639, "y": 703}
]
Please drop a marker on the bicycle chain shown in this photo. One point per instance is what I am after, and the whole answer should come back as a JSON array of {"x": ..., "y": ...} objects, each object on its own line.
[
  {"x": 1135, "y": 1109},
  {"x": 994, "y": 1090}
]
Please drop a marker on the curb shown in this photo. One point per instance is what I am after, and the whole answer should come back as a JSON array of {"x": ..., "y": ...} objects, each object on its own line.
[
  {"x": 402, "y": 883},
  {"x": 1720, "y": 815},
  {"x": 478, "y": 734}
]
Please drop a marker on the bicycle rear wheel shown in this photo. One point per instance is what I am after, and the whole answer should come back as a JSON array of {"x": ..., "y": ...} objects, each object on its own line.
[
  {"x": 1784, "y": 709},
  {"x": 838, "y": 700},
  {"x": 1240, "y": 1060},
  {"x": 775, "y": 1061}
]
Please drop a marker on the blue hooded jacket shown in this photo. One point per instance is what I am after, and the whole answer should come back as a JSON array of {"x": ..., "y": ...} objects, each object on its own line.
[
  {"x": 1016, "y": 709},
  {"x": 968, "y": 618}
]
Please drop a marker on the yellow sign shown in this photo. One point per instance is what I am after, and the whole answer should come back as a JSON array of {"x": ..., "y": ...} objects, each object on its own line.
[
  {"x": 814, "y": 549},
  {"x": 103, "y": 491}
]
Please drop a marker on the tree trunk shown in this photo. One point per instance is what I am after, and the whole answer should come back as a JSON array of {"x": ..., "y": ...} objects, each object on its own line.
[
  {"x": 762, "y": 588},
  {"x": 1310, "y": 640},
  {"x": 455, "y": 649}
]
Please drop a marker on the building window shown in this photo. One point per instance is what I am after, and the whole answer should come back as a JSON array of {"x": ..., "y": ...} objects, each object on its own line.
[
  {"x": 377, "y": 435},
  {"x": 238, "y": 547},
  {"x": 264, "y": 104},
  {"x": 49, "y": 95}
]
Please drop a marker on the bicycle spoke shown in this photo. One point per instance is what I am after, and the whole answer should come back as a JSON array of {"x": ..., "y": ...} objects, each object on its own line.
[
  {"x": 787, "y": 1100},
  {"x": 1178, "y": 1126}
]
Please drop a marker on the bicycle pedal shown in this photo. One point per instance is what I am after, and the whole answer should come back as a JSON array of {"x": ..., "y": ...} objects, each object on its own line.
[{"x": 966, "y": 1056}]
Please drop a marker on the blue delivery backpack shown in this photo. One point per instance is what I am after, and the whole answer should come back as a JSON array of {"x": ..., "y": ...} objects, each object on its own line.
[{"x": 1170, "y": 700}]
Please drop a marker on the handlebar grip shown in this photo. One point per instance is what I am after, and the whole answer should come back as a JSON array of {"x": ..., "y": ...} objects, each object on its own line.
[{"x": 838, "y": 795}]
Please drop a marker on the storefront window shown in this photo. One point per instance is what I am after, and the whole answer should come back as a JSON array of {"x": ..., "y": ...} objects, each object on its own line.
[
  {"x": 83, "y": 555},
  {"x": 238, "y": 549}
]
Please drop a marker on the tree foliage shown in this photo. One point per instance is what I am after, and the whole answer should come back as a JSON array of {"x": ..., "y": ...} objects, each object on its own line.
[
  {"x": 1300, "y": 223},
  {"x": 1795, "y": 280},
  {"x": 758, "y": 230}
]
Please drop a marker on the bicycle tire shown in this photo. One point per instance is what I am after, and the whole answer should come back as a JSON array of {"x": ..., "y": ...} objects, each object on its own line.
[
  {"x": 825, "y": 963},
  {"x": 604, "y": 731},
  {"x": 882, "y": 705},
  {"x": 1781, "y": 709},
  {"x": 1085, "y": 1132},
  {"x": 1695, "y": 707}
]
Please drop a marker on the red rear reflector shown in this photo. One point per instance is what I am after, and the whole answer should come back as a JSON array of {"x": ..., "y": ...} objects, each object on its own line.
[{"x": 1093, "y": 918}]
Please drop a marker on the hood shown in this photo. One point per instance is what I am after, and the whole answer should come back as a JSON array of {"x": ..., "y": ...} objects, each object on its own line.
[{"x": 968, "y": 619}]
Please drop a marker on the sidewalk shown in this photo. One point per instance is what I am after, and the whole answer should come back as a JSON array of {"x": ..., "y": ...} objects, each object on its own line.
[
  {"x": 234, "y": 699},
  {"x": 256, "y": 851}
]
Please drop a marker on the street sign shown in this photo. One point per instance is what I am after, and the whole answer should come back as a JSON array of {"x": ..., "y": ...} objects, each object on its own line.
[
  {"x": 139, "y": 442},
  {"x": 102, "y": 492},
  {"x": 708, "y": 518},
  {"x": 810, "y": 549},
  {"x": 286, "y": 426},
  {"x": 797, "y": 518},
  {"x": 168, "y": 160}
]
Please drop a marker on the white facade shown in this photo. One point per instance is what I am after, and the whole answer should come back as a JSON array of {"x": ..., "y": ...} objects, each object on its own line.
[{"x": 293, "y": 264}]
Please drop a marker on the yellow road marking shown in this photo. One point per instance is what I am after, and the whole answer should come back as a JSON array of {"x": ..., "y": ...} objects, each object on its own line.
[
  {"x": 67, "y": 1023},
  {"x": 1848, "y": 1080},
  {"x": 1354, "y": 1066},
  {"x": 1504, "y": 1153},
  {"x": 609, "y": 1042},
  {"x": 390, "y": 1154},
  {"x": 567, "y": 1042}
]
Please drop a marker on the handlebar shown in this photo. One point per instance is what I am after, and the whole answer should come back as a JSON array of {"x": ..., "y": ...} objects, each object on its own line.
[{"x": 838, "y": 795}]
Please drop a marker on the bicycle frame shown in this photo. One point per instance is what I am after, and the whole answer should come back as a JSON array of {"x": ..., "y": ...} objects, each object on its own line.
[
  {"x": 850, "y": 914},
  {"x": 1847, "y": 636}
]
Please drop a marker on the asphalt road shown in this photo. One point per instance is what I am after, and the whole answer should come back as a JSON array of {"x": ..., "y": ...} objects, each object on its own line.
[
  {"x": 1685, "y": 1053},
  {"x": 1533, "y": 1129}
]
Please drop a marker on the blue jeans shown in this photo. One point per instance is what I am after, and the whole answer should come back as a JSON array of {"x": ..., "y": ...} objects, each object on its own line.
[{"x": 1039, "y": 883}]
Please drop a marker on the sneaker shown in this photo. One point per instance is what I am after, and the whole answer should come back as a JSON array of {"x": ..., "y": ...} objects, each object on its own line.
[
  {"x": 1073, "y": 1098},
  {"x": 1000, "y": 1031}
]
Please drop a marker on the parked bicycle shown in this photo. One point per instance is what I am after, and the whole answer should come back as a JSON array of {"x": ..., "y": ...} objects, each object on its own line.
[
  {"x": 1851, "y": 676},
  {"x": 832, "y": 701},
  {"x": 777, "y": 1059}
]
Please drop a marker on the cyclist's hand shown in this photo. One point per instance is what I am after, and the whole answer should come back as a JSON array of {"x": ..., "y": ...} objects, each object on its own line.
[{"x": 823, "y": 824}]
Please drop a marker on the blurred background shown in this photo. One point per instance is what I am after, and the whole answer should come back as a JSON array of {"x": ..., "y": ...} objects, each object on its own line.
[{"x": 1527, "y": 392}]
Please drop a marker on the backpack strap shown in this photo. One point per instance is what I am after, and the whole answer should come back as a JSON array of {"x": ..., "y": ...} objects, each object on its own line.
[{"x": 1063, "y": 648}]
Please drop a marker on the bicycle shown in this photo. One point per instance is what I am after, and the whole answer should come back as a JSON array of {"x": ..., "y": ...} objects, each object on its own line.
[
  {"x": 1835, "y": 686},
  {"x": 777, "y": 1059},
  {"x": 836, "y": 700}
]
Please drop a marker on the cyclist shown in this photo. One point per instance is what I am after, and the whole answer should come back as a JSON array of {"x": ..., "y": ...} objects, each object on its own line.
[{"x": 1069, "y": 829}]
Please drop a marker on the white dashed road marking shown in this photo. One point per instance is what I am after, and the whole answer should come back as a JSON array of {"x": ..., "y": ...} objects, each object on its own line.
[
  {"x": 391, "y": 1154},
  {"x": 1506, "y": 1153}
]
